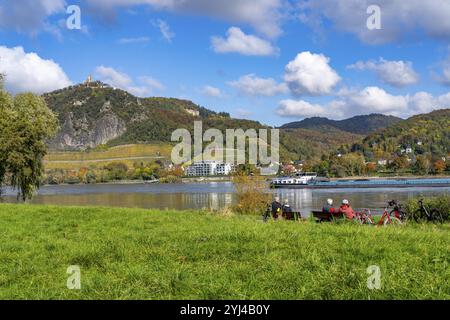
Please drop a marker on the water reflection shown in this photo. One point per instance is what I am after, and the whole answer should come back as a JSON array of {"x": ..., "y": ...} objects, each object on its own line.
[{"x": 212, "y": 196}]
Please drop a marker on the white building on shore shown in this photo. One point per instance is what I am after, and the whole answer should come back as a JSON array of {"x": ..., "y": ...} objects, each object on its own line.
[{"x": 209, "y": 168}]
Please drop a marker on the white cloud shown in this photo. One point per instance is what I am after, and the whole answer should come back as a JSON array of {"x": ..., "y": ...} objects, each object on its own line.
[
  {"x": 29, "y": 16},
  {"x": 252, "y": 85},
  {"x": 29, "y": 72},
  {"x": 133, "y": 40},
  {"x": 262, "y": 15},
  {"x": 374, "y": 99},
  {"x": 165, "y": 30},
  {"x": 424, "y": 102},
  {"x": 123, "y": 81},
  {"x": 300, "y": 109},
  {"x": 444, "y": 77},
  {"x": 243, "y": 113},
  {"x": 399, "y": 18},
  {"x": 211, "y": 92},
  {"x": 366, "y": 101},
  {"x": 310, "y": 74},
  {"x": 238, "y": 42},
  {"x": 395, "y": 73},
  {"x": 152, "y": 83}
]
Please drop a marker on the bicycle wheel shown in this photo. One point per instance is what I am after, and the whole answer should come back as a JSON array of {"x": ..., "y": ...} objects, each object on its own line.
[
  {"x": 403, "y": 216},
  {"x": 393, "y": 222},
  {"x": 420, "y": 217},
  {"x": 436, "y": 216}
]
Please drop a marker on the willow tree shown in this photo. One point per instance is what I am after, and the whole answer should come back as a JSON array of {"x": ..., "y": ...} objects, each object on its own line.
[{"x": 26, "y": 123}]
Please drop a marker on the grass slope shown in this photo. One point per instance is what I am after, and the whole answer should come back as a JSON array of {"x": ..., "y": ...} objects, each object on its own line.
[
  {"x": 128, "y": 154},
  {"x": 141, "y": 254}
]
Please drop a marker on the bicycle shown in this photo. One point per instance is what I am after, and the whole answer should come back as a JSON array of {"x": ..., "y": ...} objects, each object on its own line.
[
  {"x": 268, "y": 213},
  {"x": 392, "y": 217},
  {"x": 424, "y": 214},
  {"x": 365, "y": 217},
  {"x": 398, "y": 211}
]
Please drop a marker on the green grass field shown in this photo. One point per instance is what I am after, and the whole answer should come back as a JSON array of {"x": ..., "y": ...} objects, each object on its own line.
[{"x": 142, "y": 254}]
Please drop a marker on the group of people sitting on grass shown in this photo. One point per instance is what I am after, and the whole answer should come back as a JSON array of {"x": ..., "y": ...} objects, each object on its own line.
[{"x": 345, "y": 210}]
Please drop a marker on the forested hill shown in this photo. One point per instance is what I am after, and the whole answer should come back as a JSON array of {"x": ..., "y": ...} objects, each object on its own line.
[
  {"x": 96, "y": 114},
  {"x": 362, "y": 125},
  {"x": 425, "y": 134}
]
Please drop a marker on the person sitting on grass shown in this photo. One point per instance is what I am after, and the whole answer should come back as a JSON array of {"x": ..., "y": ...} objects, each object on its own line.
[
  {"x": 346, "y": 210},
  {"x": 276, "y": 208}
]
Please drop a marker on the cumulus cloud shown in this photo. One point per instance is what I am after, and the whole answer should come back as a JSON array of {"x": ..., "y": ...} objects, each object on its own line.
[
  {"x": 263, "y": 15},
  {"x": 146, "y": 86},
  {"x": 239, "y": 42},
  {"x": 301, "y": 109},
  {"x": 395, "y": 73},
  {"x": 164, "y": 28},
  {"x": 252, "y": 85},
  {"x": 369, "y": 100},
  {"x": 29, "y": 72},
  {"x": 211, "y": 91},
  {"x": 399, "y": 18},
  {"x": 374, "y": 99},
  {"x": 310, "y": 74},
  {"x": 29, "y": 16},
  {"x": 424, "y": 102}
]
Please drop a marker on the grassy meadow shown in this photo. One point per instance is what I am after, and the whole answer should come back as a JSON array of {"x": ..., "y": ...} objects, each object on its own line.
[{"x": 143, "y": 254}]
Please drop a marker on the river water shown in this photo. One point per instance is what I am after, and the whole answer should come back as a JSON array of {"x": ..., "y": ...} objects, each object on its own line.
[{"x": 212, "y": 196}]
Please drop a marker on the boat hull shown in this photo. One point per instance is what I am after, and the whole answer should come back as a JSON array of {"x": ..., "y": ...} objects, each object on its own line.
[{"x": 366, "y": 185}]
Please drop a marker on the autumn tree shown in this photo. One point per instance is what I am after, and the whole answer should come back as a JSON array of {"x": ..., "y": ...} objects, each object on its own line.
[
  {"x": 439, "y": 166},
  {"x": 422, "y": 165},
  {"x": 400, "y": 163}
]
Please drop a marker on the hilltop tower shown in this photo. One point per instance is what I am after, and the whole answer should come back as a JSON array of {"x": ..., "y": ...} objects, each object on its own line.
[{"x": 89, "y": 80}]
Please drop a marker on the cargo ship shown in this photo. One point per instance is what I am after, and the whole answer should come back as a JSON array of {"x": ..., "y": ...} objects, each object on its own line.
[{"x": 310, "y": 180}]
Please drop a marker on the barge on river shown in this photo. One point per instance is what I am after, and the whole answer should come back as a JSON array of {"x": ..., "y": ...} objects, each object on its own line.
[{"x": 311, "y": 181}]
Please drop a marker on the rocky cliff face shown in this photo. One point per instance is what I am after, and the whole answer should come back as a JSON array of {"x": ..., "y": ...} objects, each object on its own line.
[
  {"x": 80, "y": 130},
  {"x": 93, "y": 115},
  {"x": 79, "y": 134}
]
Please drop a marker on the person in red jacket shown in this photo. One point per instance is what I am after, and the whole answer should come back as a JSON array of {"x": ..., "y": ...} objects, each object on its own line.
[{"x": 346, "y": 210}]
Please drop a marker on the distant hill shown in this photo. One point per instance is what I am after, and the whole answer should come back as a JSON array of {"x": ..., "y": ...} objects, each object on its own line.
[
  {"x": 96, "y": 114},
  {"x": 309, "y": 144},
  {"x": 425, "y": 134},
  {"x": 361, "y": 125}
]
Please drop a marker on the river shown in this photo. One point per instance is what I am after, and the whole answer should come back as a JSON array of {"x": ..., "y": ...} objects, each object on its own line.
[{"x": 212, "y": 195}]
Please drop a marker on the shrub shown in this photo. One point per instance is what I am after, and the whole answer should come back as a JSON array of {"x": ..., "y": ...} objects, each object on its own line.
[
  {"x": 441, "y": 203},
  {"x": 251, "y": 194},
  {"x": 170, "y": 179},
  {"x": 117, "y": 170}
]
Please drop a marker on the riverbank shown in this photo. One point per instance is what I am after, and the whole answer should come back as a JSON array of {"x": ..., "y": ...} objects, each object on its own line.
[{"x": 142, "y": 254}]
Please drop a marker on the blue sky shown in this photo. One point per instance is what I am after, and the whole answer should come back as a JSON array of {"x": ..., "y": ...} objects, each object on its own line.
[{"x": 273, "y": 61}]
